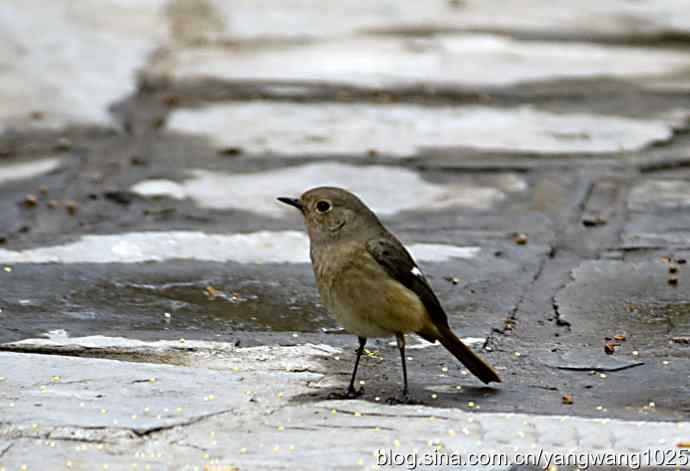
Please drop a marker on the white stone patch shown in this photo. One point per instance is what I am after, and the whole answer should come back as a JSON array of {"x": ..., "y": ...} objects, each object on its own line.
[
  {"x": 57, "y": 335},
  {"x": 300, "y": 129},
  {"x": 318, "y": 18},
  {"x": 102, "y": 341},
  {"x": 666, "y": 193},
  {"x": 257, "y": 247},
  {"x": 385, "y": 189},
  {"x": 421, "y": 343},
  {"x": 459, "y": 60},
  {"x": 70, "y": 59},
  {"x": 441, "y": 253},
  {"x": 23, "y": 170}
]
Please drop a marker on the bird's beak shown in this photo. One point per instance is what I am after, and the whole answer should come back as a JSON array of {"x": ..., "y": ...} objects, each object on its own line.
[{"x": 292, "y": 202}]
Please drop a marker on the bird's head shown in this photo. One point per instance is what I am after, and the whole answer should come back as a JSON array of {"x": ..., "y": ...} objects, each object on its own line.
[{"x": 332, "y": 213}]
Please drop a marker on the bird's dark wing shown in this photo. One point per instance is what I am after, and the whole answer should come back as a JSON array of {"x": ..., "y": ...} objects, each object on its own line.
[{"x": 396, "y": 260}]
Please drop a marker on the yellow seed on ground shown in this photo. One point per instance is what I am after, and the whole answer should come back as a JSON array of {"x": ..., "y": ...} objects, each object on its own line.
[
  {"x": 358, "y": 414},
  {"x": 434, "y": 396},
  {"x": 471, "y": 404},
  {"x": 243, "y": 450},
  {"x": 333, "y": 411},
  {"x": 8, "y": 269},
  {"x": 280, "y": 428}
]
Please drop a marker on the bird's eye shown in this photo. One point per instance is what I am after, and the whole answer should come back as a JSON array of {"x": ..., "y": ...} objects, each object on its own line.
[{"x": 323, "y": 206}]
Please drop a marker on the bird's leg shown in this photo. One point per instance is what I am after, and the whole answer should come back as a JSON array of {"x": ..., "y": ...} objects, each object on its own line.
[
  {"x": 405, "y": 399},
  {"x": 401, "y": 346},
  {"x": 351, "y": 392}
]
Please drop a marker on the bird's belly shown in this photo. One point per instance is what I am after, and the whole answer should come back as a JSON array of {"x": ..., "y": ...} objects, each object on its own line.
[{"x": 367, "y": 302}]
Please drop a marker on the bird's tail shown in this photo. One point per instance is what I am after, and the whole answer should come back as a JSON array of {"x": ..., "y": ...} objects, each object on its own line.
[{"x": 467, "y": 357}]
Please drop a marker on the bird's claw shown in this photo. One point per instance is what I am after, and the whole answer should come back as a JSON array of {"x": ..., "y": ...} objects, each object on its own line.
[
  {"x": 405, "y": 398},
  {"x": 349, "y": 394}
]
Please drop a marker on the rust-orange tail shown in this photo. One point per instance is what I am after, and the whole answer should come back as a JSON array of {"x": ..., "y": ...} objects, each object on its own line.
[{"x": 467, "y": 357}]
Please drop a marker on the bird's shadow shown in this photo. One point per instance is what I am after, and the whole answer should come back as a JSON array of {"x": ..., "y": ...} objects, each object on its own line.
[{"x": 434, "y": 379}]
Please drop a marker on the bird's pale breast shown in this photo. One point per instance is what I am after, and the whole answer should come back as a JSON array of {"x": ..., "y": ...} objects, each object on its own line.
[{"x": 364, "y": 299}]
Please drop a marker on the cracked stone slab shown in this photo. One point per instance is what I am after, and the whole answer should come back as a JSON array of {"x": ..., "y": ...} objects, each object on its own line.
[
  {"x": 401, "y": 130},
  {"x": 635, "y": 299},
  {"x": 270, "y": 426},
  {"x": 266, "y": 18},
  {"x": 658, "y": 213},
  {"x": 376, "y": 185},
  {"x": 589, "y": 361},
  {"x": 109, "y": 394},
  {"x": 468, "y": 60},
  {"x": 79, "y": 64}
]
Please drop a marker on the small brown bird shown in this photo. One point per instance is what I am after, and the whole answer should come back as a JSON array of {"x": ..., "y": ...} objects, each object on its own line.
[{"x": 369, "y": 282}]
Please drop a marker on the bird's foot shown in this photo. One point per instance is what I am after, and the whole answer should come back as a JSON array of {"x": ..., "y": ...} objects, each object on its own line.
[
  {"x": 351, "y": 393},
  {"x": 404, "y": 398}
]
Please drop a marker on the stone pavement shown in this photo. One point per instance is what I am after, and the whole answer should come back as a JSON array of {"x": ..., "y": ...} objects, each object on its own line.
[{"x": 157, "y": 308}]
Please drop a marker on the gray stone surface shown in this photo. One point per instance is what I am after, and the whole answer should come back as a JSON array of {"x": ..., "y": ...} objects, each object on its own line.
[
  {"x": 239, "y": 407},
  {"x": 533, "y": 155}
]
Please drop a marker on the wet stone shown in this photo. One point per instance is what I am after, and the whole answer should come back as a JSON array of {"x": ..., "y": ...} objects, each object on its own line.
[
  {"x": 658, "y": 213},
  {"x": 637, "y": 298},
  {"x": 206, "y": 299}
]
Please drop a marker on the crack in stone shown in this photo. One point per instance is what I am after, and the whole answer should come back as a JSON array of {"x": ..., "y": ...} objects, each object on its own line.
[
  {"x": 393, "y": 416},
  {"x": 162, "y": 428},
  {"x": 355, "y": 427},
  {"x": 6, "y": 449}
]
